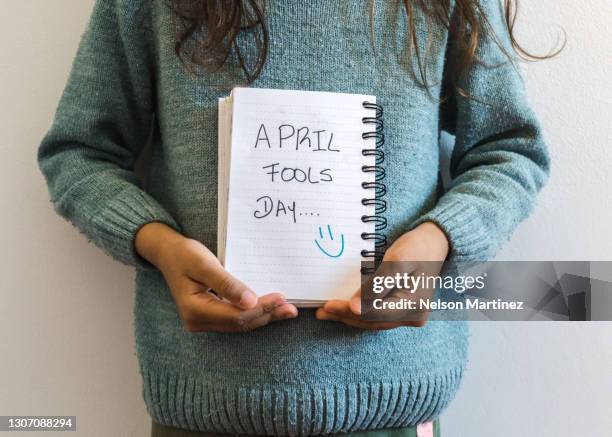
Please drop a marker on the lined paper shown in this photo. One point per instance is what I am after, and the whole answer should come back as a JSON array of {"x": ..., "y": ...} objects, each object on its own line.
[{"x": 290, "y": 191}]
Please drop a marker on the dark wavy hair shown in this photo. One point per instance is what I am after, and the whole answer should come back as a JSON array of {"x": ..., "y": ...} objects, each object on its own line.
[{"x": 206, "y": 33}]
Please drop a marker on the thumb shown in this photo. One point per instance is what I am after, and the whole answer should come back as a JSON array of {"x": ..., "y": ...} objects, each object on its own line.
[
  {"x": 227, "y": 286},
  {"x": 355, "y": 303}
]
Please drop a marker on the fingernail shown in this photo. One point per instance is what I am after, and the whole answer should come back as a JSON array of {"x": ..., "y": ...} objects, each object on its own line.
[
  {"x": 280, "y": 301},
  {"x": 356, "y": 306},
  {"x": 248, "y": 299}
]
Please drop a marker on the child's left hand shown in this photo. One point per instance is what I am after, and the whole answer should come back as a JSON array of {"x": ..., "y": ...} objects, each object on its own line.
[{"x": 426, "y": 242}]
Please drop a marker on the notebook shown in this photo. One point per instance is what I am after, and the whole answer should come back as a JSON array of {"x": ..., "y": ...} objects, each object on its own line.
[{"x": 300, "y": 191}]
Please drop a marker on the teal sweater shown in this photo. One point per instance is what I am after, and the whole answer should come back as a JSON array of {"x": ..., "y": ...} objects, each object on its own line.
[{"x": 300, "y": 376}]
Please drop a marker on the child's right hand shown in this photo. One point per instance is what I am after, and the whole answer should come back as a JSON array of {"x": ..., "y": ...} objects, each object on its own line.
[{"x": 191, "y": 270}]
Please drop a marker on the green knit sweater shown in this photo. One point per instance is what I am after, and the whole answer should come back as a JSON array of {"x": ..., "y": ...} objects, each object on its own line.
[{"x": 299, "y": 376}]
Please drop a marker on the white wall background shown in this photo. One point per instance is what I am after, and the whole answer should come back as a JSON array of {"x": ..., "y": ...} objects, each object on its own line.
[
  {"x": 524, "y": 379},
  {"x": 554, "y": 380}
]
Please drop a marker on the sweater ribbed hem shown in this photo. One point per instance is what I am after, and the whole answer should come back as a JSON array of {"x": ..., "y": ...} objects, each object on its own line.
[{"x": 187, "y": 401}]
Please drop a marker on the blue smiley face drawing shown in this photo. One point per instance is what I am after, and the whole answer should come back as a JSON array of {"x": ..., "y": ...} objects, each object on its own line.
[{"x": 334, "y": 248}]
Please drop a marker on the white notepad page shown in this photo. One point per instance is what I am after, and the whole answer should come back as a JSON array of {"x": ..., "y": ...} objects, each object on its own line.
[{"x": 290, "y": 191}]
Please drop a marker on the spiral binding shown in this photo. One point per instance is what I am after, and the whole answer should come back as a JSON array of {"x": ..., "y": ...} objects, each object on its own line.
[{"x": 378, "y": 188}]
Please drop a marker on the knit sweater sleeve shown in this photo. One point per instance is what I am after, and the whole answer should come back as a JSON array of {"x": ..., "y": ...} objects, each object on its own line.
[
  {"x": 103, "y": 120},
  {"x": 499, "y": 161}
]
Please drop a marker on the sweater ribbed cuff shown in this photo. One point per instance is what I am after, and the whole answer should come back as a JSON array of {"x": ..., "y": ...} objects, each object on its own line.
[
  {"x": 464, "y": 228},
  {"x": 121, "y": 217}
]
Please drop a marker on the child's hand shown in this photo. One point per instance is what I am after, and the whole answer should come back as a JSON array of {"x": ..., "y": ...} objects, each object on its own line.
[
  {"x": 425, "y": 243},
  {"x": 191, "y": 270}
]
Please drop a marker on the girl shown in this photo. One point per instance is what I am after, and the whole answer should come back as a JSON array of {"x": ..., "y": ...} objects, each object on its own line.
[{"x": 250, "y": 363}]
